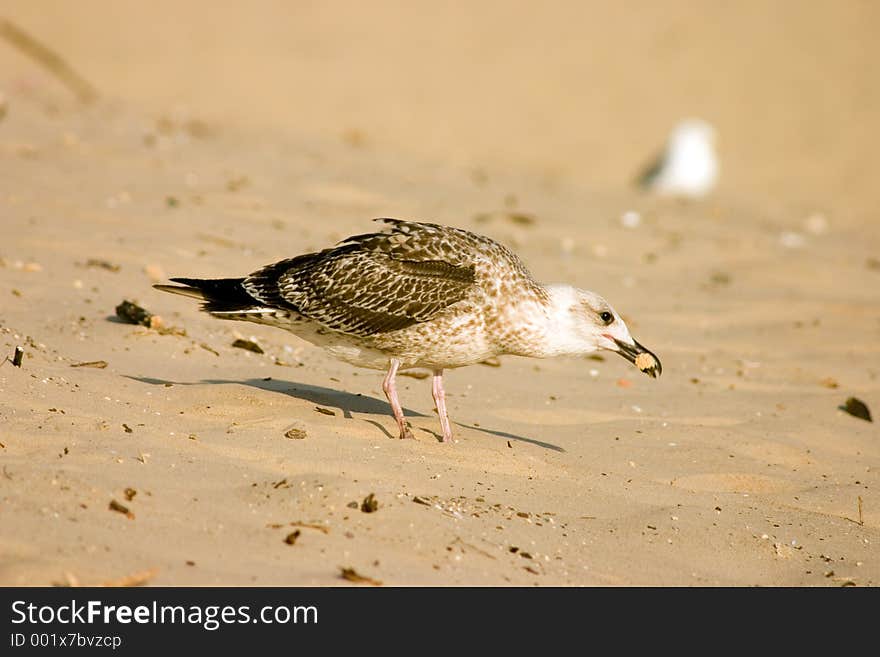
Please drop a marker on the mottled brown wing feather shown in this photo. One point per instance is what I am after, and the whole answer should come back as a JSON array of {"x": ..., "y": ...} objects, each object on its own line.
[{"x": 374, "y": 283}]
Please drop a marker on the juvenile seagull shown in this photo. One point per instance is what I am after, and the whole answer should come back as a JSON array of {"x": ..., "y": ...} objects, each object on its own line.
[
  {"x": 419, "y": 295},
  {"x": 688, "y": 166}
]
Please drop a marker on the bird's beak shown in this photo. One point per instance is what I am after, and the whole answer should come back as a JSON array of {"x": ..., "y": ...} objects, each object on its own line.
[{"x": 642, "y": 358}]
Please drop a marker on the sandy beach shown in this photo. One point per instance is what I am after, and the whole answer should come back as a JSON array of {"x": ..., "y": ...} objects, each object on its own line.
[{"x": 225, "y": 139}]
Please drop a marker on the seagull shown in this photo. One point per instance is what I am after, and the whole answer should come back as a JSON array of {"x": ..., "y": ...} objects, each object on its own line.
[
  {"x": 688, "y": 166},
  {"x": 419, "y": 295}
]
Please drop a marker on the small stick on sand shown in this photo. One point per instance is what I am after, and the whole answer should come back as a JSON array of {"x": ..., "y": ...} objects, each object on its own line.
[
  {"x": 462, "y": 543},
  {"x": 49, "y": 59},
  {"x": 353, "y": 576},
  {"x": 121, "y": 508},
  {"x": 311, "y": 525},
  {"x": 16, "y": 358},
  {"x": 861, "y": 520}
]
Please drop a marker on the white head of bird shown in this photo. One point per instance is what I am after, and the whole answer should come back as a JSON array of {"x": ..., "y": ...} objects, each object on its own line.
[{"x": 582, "y": 322}]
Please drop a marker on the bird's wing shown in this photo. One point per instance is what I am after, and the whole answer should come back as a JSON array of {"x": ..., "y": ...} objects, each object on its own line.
[{"x": 374, "y": 283}]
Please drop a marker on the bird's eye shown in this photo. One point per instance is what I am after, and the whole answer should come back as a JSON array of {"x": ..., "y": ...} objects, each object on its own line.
[{"x": 606, "y": 317}]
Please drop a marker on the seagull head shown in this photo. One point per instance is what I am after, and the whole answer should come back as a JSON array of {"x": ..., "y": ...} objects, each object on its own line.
[
  {"x": 692, "y": 133},
  {"x": 584, "y": 322},
  {"x": 689, "y": 166}
]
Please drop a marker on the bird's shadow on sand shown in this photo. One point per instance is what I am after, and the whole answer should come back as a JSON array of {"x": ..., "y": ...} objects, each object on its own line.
[{"x": 346, "y": 402}]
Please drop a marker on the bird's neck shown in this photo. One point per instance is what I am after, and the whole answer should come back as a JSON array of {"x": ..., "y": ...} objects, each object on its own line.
[{"x": 543, "y": 325}]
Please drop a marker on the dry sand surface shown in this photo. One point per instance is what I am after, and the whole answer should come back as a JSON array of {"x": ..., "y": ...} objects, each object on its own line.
[{"x": 225, "y": 139}]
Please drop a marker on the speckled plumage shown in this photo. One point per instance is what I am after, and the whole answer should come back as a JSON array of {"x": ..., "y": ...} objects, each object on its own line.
[{"x": 412, "y": 295}]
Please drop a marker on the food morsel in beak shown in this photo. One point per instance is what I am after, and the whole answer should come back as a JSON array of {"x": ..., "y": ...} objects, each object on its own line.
[
  {"x": 648, "y": 363},
  {"x": 644, "y": 359}
]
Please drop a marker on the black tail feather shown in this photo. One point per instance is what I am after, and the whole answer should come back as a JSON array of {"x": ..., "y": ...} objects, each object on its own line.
[{"x": 219, "y": 294}]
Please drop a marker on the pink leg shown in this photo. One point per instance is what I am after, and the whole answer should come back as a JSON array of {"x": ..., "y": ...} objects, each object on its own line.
[
  {"x": 390, "y": 389},
  {"x": 440, "y": 401}
]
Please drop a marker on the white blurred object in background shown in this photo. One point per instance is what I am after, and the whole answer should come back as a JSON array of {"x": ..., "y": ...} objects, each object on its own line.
[{"x": 688, "y": 166}]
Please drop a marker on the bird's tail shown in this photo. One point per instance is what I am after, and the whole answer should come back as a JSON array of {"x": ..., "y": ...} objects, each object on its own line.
[{"x": 218, "y": 295}]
